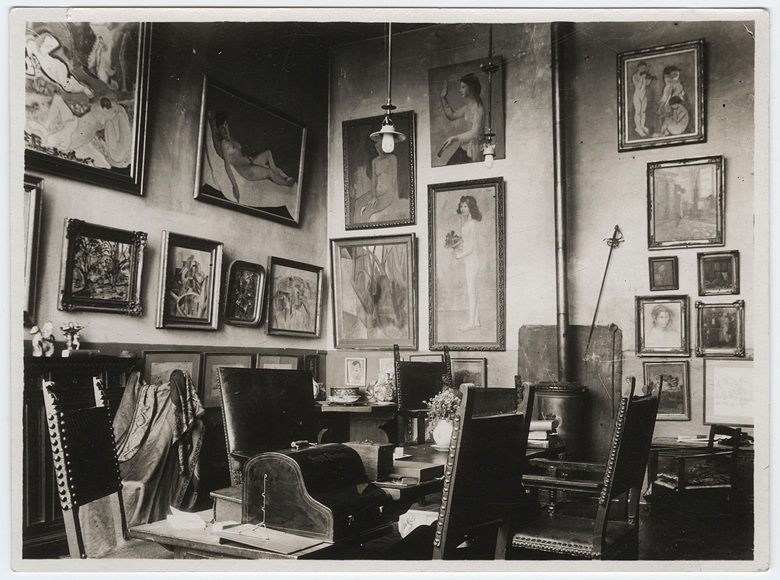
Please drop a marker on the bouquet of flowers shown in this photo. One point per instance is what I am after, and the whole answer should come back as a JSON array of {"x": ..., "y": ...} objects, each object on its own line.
[
  {"x": 452, "y": 240},
  {"x": 444, "y": 405}
]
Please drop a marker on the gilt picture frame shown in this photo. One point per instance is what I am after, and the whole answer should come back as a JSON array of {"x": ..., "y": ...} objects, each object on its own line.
[
  {"x": 86, "y": 88},
  {"x": 718, "y": 273},
  {"x": 32, "y": 209},
  {"x": 190, "y": 279},
  {"x": 720, "y": 329},
  {"x": 675, "y": 402},
  {"x": 662, "y": 326},
  {"x": 375, "y": 292},
  {"x": 685, "y": 203},
  {"x": 294, "y": 298},
  {"x": 466, "y": 282},
  {"x": 244, "y": 293},
  {"x": 101, "y": 268},
  {"x": 379, "y": 188},
  {"x": 250, "y": 158},
  {"x": 661, "y": 96}
]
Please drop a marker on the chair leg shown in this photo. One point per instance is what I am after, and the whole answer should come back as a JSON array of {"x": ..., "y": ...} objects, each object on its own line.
[
  {"x": 503, "y": 538},
  {"x": 73, "y": 533}
]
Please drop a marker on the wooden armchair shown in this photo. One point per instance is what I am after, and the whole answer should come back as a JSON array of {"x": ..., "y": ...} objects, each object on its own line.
[
  {"x": 265, "y": 410},
  {"x": 613, "y": 531}
]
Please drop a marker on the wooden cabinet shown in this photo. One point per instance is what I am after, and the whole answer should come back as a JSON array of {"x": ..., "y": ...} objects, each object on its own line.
[{"x": 43, "y": 530}]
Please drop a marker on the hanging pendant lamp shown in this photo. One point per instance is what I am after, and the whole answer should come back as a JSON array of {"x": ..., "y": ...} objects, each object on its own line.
[
  {"x": 387, "y": 135},
  {"x": 489, "y": 147}
]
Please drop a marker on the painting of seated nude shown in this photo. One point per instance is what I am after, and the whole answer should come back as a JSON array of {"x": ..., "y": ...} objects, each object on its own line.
[
  {"x": 250, "y": 159},
  {"x": 85, "y": 100}
]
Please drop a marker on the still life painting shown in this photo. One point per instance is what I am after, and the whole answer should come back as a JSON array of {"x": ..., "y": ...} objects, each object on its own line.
[
  {"x": 294, "y": 298},
  {"x": 85, "y": 100},
  {"x": 375, "y": 292}
]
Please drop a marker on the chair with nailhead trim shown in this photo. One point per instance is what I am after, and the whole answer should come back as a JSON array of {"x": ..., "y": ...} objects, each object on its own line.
[{"x": 87, "y": 470}]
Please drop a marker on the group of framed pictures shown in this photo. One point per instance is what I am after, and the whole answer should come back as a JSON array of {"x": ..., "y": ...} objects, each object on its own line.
[{"x": 464, "y": 370}]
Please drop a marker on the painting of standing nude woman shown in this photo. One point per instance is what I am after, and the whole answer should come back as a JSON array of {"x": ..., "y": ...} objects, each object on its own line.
[
  {"x": 85, "y": 100},
  {"x": 250, "y": 159}
]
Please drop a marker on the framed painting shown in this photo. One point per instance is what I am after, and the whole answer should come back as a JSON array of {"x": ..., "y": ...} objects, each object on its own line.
[
  {"x": 212, "y": 362},
  {"x": 466, "y": 260},
  {"x": 86, "y": 86},
  {"x": 675, "y": 402},
  {"x": 426, "y": 357},
  {"x": 374, "y": 292},
  {"x": 355, "y": 372},
  {"x": 270, "y": 361},
  {"x": 664, "y": 274},
  {"x": 386, "y": 367},
  {"x": 685, "y": 203},
  {"x": 294, "y": 298},
  {"x": 101, "y": 268},
  {"x": 159, "y": 364},
  {"x": 720, "y": 329},
  {"x": 469, "y": 370},
  {"x": 244, "y": 292},
  {"x": 190, "y": 270},
  {"x": 379, "y": 187},
  {"x": 458, "y": 112},
  {"x": 661, "y": 96},
  {"x": 250, "y": 159},
  {"x": 662, "y": 326},
  {"x": 728, "y": 392},
  {"x": 33, "y": 204},
  {"x": 718, "y": 273}
]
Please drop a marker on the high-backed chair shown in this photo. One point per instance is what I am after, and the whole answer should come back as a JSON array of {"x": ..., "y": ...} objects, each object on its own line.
[
  {"x": 607, "y": 535},
  {"x": 85, "y": 461},
  {"x": 415, "y": 383},
  {"x": 265, "y": 410}
]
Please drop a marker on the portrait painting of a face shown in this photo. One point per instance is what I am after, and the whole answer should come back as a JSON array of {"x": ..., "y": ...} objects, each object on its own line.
[
  {"x": 663, "y": 273},
  {"x": 662, "y": 325}
]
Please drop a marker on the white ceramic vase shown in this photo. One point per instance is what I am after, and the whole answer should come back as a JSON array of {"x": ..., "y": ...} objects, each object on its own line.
[{"x": 442, "y": 433}]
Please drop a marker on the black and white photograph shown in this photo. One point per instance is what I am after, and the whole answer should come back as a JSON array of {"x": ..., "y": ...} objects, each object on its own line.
[{"x": 452, "y": 289}]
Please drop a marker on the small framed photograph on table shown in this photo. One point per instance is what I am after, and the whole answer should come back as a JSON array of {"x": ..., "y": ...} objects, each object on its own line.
[{"x": 355, "y": 372}]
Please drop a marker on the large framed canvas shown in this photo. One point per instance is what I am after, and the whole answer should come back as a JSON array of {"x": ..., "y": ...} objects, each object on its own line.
[
  {"x": 469, "y": 370},
  {"x": 244, "y": 292},
  {"x": 466, "y": 265},
  {"x": 212, "y": 362},
  {"x": 661, "y": 96},
  {"x": 379, "y": 187},
  {"x": 720, "y": 329},
  {"x": 457, "y": 96},
  {"x": 728, "y": 392},
  {"x": 159, "y": 364},
  {"x": 675, "y": 402},
  {"x": 294, "y": 298},
  {"x": 86, "y": 86},
  {"x": 662, "y": 326},
  {"x": 33, "y": 204},
  {"x": 101, "y": 268},
  {"x": 190, "y": 271},
  {"x": 375, "y": 292},
  {"x": 685, "y": 203},
  {"x": 250, "y": 159},
  {"x": 718, "y": 273}
]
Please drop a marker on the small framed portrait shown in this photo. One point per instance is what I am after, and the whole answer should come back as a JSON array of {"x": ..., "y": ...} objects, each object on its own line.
[
  {"x": 212, "y": 362},
  {"x": 718, "y": 273},
  {"x": 33, "y": 195},
  {"x": 661, "y": 96},
  {"x": 663, "y": 274},
  {"x": 355, "y": 372},
  {"x": 379, "y": 187},
  {"x": 469, "y": 370},
  {"x": 685, "y": 203},
  {"x": 728, "y": 392},
  {"x": 721, "y": 329},
  {"x": 662, "y": 326},
  {"x": 101, "y": 268},
  {"x": 159, "y": 364},
  {"x": 244, "y": 292},
  {"x": 190, "y": 271},
  {"x": 675, "y": 403},
  {"x": 294, "y": 298}
]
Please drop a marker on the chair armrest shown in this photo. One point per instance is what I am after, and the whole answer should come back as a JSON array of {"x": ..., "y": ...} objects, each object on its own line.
[{"x": 562, "y": 484}]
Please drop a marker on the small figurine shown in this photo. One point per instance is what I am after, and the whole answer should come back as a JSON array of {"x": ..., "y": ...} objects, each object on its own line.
[
  {"x": 47, "y": 338},
  {"x": 37, "y": 341},
  {"x": 71, "y": 331}
]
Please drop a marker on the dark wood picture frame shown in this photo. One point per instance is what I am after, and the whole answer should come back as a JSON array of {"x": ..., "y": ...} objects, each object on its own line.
[
  {"x": 33, "y": 208},
  {"x": 244, "y": 294},
  {"x": 379, "y": 188},
  {"x": 661, "y": 96},
  {"x": 107, "y": 92},
  {"x": 675, "y": 402},
  {"x": 720, "y": 329},
  {"x": 101, "y": 268},
  {"x": 294, "y": 298},
  {"x": 718, "y": 273},
  {"x": 450, "y": 301},
  {"x": 662, "y": 326},
  {"x": 158, "y": 365},
  {"x": 210, "y": 394},
  {"x": 685, "y": 203},
  {"x": 664, "y": 274},
  {"x": 265, "y": 176},
  {"x": 190, "y": 280}
]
